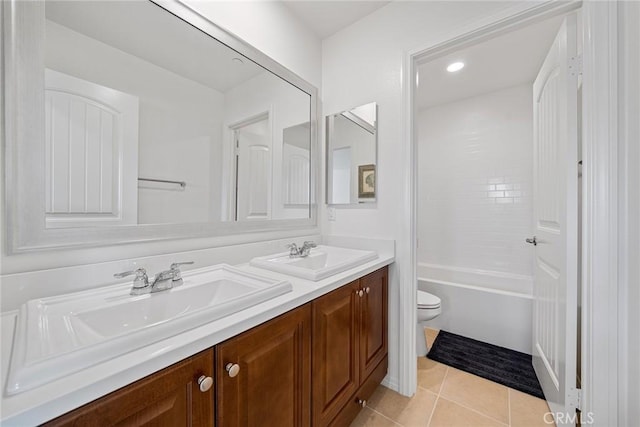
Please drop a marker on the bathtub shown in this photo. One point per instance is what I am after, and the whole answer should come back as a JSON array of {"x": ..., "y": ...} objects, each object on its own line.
[{"x": 488, "y": 306}]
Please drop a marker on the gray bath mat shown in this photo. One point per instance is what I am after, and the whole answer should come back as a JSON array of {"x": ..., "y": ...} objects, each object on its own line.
[{"x": 501, "y": 365}]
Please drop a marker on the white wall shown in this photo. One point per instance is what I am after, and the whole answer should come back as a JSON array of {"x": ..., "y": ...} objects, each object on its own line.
[
  {"x": 364, "y": 63},
  {"x": 475, "y": 184},
  {"x": 269, "y": 27}
]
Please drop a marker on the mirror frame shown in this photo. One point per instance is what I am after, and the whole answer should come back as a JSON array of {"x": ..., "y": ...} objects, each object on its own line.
[
  {"x": 329, "y": 162},
  {"x": 23, "y": 141}
]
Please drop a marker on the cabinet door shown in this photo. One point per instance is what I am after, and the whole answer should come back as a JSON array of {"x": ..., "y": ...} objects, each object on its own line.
[
  {"x": 373, "y": 321},
  {"x": 335, "y": 352},
  {"x": 273, "y": 384},
  {"x": 170, "y": 397}
]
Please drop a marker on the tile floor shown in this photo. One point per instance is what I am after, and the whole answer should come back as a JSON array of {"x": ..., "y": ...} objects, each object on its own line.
[{"x": 449, "y": 397}]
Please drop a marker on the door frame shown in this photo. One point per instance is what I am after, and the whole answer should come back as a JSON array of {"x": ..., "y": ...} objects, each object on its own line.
[
  {"x": 229, "y": 168},
  {"x": 600, "y": 204}
]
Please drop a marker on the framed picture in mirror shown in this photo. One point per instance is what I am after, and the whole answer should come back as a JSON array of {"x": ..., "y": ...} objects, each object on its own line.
[
  {"x": 367, "y": 181},
  {"x": 352, "y": 147}
]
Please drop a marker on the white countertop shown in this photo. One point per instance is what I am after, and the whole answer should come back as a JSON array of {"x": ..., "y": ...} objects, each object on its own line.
[{"x": 58, "y": 397}]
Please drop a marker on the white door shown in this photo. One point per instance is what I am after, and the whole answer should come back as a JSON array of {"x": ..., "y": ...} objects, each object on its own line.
[
  {"x": 295, "y": 176},
  {"x": 91, "y": 152},
  {"x": 253, "y": 171},
  {"x": 556, "y": 224},
  {"x": 341, "y": 190}
]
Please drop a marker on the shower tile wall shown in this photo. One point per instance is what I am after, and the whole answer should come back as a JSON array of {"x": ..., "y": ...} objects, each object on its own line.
[{"x": 475, "y": 182}]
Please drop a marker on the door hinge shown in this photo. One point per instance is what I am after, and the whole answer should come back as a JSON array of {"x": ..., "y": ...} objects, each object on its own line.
[
  {"x": 575, "y": 65},
  {"x": 575, "y": 398}
]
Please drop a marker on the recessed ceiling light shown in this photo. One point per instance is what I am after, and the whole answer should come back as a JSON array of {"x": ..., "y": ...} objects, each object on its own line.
[
  {"x": 237, "y": 61},
  {"x": 456, "y": 66}
]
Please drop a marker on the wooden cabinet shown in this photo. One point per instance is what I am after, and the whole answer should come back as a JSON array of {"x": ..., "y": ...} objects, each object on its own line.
[
  {"x": 170, "y": 397},
  {"x": 373, "y": 321},
  {"x": 349, "y": 348},
  {"x": 264, "y": 375},
  {"x": 336, "y": 375}
]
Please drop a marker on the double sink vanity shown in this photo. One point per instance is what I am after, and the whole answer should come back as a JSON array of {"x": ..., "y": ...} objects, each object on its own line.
[
  {"x": 212, "y": 161},
  {"x": 287, "y": 339}
]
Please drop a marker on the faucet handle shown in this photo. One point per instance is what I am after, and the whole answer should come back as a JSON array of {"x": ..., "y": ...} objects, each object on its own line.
[
  {"x": 293, "y": 250},
  {"x": 139, "y": 272},
  {"x": 141, "y": 281},
  {"x": 176, "y": 265},
  {"x": 177, "y": 274},
  {"x": 310, "y": 244}
]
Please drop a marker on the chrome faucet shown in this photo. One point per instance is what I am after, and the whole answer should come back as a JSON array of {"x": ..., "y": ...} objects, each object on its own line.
[
  {"x": 294, "y": 252},
  {"x": 306, "y": 248},
  {"x": 177, "y": 274},
  {"x": 140, "y": 283},
  {"x": 161, "y": 282},
  {"x": 302, "y": 251}
]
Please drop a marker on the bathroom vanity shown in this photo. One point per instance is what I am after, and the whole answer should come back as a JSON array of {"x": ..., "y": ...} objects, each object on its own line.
[{"x": 314, "y": 365}]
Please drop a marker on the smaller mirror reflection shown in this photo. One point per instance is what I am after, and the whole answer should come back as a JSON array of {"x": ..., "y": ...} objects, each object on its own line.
[{"x": 352, "y": 156}]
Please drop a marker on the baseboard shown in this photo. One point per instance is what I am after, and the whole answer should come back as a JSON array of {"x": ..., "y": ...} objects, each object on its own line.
[{"x": 390, "y": 382}]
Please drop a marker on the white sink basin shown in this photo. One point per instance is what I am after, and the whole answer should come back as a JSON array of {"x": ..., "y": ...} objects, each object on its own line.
[
  {"x": 322, "y": 262},
  {"x": 56, "y": 336}
]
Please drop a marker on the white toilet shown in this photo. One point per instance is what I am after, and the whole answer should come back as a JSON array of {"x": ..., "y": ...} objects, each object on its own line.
[{"x": 429, "y": 307}]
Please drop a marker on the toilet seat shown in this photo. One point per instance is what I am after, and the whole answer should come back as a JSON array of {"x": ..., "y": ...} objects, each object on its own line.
[{"x": 427, "y": 300}]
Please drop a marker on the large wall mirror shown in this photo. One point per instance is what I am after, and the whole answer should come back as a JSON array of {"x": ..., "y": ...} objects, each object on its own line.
[
  {"x": 144, "y": 121},
  {"x": 352, "y": 156}
]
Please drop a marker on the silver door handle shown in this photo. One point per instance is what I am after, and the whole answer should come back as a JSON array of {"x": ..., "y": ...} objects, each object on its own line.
[{"x": 533, "y": 241}]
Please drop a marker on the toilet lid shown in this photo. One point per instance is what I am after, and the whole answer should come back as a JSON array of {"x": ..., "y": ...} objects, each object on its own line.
[{"x": 426, "y": 300}]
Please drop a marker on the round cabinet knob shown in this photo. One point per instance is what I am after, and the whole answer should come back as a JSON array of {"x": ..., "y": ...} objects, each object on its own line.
[
  {"x": 360, "y": 293},
  {"x": 362, "y": 403},
  {"x": 232, "y": 369},
  {"x": 205, "y": 383},
  {"x": 368, "y": 289}
]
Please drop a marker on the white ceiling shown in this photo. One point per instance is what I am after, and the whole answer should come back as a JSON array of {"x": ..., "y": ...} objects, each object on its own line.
[
  {"x": 508, "y": 60},
  {"x": 327, "y": 17},
  {"x": 144, "y": 30}
]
